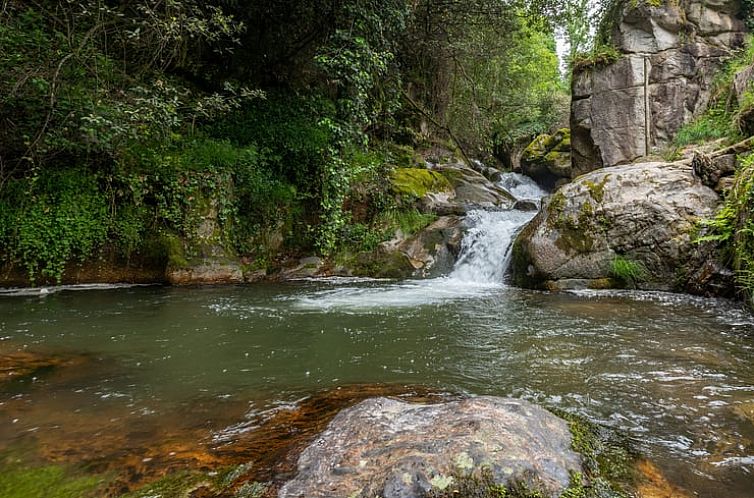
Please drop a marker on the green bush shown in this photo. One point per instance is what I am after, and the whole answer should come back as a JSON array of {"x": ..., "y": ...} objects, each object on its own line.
[
  {"x": 733, "y": 226},
  {"x": 52, "y": 219},
  {"x": 628, "y": 271},
  {"x": 600, "y": 55}
]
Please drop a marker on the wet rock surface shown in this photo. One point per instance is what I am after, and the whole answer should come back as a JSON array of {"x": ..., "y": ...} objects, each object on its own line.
[
  {"x": 645, "y": 214},
  {"x": 470, "y": 190},
  {"x": 389, "y": 448}
]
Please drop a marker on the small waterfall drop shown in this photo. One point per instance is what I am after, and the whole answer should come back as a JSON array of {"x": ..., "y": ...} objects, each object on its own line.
[
  {"x": 485, "y": 249},
  {"x": 481, "y": 265}
]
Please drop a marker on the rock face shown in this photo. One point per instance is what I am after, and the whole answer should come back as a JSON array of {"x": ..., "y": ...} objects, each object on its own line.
[
  {"x": 429, "y": 253},
  {"x": 670, "y": 55},
  {"x": 203, "y": 258},
  {"x": 450, "y": 189},
  {"x": 388, "y": 448},
  {"x": 641, "y": 217},
  {"x": 548, "y": 158}
]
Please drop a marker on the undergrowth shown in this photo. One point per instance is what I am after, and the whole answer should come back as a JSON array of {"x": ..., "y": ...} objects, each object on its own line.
[
  {"x": 600, "y": 55},
  {"x": 733, "y": 226}
]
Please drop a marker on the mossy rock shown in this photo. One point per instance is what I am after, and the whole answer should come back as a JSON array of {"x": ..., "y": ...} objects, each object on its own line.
[
  {"x": 47, "y": 482},
  {"x": 416, "y": 182},
  {"x": 548, "y": 157},
  {"x": 538, "y": 148}
]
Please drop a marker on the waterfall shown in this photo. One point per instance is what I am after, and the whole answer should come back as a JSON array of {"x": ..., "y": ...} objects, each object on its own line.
[
  {"x": 480, "y": 268},
  {"x": 485, "y": 249}
]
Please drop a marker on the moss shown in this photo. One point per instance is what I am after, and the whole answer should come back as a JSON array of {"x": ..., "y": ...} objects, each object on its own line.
[
  {"x": 548, "y": 149},
  {"x": 538, "y": 148},
  {"x": 176, "y": 485},
  {"x": 574, "y": 240},
  {"x": 597, "y": 190},
  {"x": 416, "y": 183},
  {"x": 587, "y": 211},
  {"x": 557, "y": 203},
  {"x": 174, "y": 250},
  {"x": 47, "y": 482},
  {"x": 600, "y": 56},
  {"x": 609, "y": 461}
]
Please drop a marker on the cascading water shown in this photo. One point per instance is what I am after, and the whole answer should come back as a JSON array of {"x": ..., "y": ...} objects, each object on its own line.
[
  {"x": 481, "y": 265},
  {"x": 486, "y": 247}
]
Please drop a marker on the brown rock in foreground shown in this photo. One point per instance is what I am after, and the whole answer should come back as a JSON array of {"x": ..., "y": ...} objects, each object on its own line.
[{"x": 384, "y": 447}]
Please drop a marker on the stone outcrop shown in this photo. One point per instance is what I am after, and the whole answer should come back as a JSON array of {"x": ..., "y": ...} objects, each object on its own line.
[
  {"x": 203, "y": 257},
  {"x": 548, "y": 158},
  {"x": 393, "y": 449},
  {"x": 638, "y": 219},
  {"x": 430, "y": 253},
  {"x": 669, "y": 57},
  {"x": 450, "y": 189}
]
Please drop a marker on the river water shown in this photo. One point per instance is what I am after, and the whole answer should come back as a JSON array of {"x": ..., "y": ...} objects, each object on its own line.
[{"x": 675, "y": 373}]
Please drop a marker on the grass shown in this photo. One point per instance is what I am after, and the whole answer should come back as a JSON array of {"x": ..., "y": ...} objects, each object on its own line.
[
  {"x": 599, "y": 56},
  {"x": 628, "y": 271}
]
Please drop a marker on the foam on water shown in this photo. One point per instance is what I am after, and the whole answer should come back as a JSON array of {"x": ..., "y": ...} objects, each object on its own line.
[{"x": 481, "y": 266}]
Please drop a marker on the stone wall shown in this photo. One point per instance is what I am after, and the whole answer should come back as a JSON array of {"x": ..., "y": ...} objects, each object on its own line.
[{"x": 669, "y": 57}]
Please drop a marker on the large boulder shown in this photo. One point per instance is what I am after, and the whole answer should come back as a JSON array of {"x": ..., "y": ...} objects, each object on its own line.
[
  {"x": 202, "y": 256},
  {"x": 669, "y": 58},
  {"x": 393, "y": 449},
  {"x": 632, "y": 224}
]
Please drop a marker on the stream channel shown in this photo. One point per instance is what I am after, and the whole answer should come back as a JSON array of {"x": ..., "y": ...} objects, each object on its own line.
[{"x": 160, "y": 378}]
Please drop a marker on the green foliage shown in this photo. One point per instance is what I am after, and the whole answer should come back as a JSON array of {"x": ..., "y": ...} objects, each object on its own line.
[
  {"x": 601, "y": 55},
  {"x": 714, "y": 124},
  {"x": 50, "y": 219},
  {"x": 504, "y": 94},
  {"x": 360, "y": 237},
  {"x": 733, "y": 225},
  {"x": 628, "y": 271},
  {"x": 722, "y": 119}
]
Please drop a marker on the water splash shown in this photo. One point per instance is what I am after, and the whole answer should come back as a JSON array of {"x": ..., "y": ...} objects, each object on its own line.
[
  {"x": 485, "y": 249},
  {"x": 521, "y": 187}
]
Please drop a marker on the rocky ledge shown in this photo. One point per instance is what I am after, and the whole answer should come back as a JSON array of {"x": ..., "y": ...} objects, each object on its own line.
[{"x": 393, "y": 449}]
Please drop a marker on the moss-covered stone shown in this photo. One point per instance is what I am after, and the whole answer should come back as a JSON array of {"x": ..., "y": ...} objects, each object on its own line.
[
  {"x": 597, "y": 190},
  {"x": 548, "y": 157},
  {"x": 416, "y": 182},
  {"x": 47, "y": 482}
]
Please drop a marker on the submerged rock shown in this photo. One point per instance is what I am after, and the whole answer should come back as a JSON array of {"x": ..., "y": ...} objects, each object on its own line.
[
  {"x": 634, "y": 222},
  {"x": 388, "y": 448}
]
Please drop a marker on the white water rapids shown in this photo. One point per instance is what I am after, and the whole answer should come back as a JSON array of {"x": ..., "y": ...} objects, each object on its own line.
[{"x": 481, "y": 265}]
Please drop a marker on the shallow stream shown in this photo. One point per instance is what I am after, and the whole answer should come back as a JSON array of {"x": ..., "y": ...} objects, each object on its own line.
[{"x": 156, "y": 374}]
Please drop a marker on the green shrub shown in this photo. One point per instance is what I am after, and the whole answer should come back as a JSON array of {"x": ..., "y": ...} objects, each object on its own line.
[
  {"x": 52, "y": 219},
  {"x": 714, "y": 124},
  {"x": 628, "y": 271},
  {"x": 733, "y": 226},
  {"x": 600, "y": 55}
]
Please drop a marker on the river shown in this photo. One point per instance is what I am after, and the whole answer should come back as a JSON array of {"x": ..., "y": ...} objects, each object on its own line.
[{"x": 160, "y": 365}]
